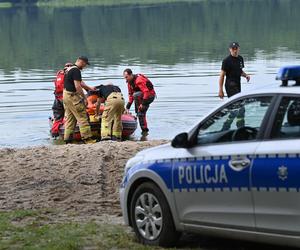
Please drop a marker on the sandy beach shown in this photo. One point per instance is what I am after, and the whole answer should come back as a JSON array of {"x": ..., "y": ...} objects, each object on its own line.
[{"x": 81, "y": 179}]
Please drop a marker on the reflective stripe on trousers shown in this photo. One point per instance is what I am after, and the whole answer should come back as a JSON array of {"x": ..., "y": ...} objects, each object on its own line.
[{"x": 239, "y": 115}]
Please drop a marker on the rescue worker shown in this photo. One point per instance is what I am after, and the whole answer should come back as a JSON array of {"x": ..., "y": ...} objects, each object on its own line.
[
  {"x": 232, "y": 68},
  {"x": 111, "y": 124},
  {"x": 57, "y": 107},
  {"x": 141, "y": 91},
  {"x": 74, "y": 102}
]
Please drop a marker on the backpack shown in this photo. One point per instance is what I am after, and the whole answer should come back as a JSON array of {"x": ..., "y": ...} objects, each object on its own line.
[{"x": 59, "y": 84}]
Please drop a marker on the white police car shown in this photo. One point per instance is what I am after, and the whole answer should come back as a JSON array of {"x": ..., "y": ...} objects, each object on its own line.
[{"x": 236, "y": 174}]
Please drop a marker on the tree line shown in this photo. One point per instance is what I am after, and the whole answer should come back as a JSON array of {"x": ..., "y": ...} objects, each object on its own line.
[{"x": 163, "y": 34}]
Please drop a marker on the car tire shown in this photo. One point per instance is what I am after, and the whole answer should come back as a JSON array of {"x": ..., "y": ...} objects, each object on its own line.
[{"x": 151, "y": 217}]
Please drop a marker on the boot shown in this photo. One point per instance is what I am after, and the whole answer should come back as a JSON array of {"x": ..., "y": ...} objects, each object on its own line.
[
  {"x": 89, "y": 141},
  {"x": 115, "y": 138},
  {"x": 145, "y": 132},
  {"x": 68, "y": 141},
  {"x": 106, "y": 139}
]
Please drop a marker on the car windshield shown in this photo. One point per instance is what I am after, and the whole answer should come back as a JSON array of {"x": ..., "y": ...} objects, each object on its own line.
[{"x": 240, "y": 120}]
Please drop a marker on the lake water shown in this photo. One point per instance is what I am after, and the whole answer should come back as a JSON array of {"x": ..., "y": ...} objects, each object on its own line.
[{"x": 179, "y": 46}]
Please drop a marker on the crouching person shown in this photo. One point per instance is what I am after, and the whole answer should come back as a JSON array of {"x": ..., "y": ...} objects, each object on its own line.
[{"x": 111, "y": 124}]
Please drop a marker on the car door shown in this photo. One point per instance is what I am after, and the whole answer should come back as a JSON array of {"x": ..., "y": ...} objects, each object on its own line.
[
  {"x": 211, "y": 179},
  {"x": 276, "y": 171}
]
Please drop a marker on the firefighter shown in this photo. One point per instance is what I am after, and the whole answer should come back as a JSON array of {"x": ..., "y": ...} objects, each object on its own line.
[
  {"x": 57, "y": 107},
  {"x": 111, "y": 124},
  {"x": 74, "y": 102},
  {"x": 141, "y": 91}
]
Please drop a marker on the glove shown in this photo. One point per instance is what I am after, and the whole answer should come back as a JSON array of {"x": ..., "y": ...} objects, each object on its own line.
[{"x": 128, "y": 105}]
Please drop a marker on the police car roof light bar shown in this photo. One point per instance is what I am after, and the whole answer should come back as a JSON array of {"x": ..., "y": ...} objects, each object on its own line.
[{"x": 289, "y": 73}]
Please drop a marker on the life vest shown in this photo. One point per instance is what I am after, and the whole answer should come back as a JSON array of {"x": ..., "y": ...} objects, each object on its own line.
[
  {"x": 91, "y": 105},
  {"x": 148, "y": 83},
  {"x": 143, "y": 84},
  {"x": 59, "y": 84}
]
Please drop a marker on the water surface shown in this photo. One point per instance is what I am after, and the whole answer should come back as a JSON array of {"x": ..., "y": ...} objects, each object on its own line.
[{"x": 179, "y": 46}]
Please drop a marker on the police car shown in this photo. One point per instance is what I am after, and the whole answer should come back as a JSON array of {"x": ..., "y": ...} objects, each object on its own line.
[{"x": 235, "y": 174}]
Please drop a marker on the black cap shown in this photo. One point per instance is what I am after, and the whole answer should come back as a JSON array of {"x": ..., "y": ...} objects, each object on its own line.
[
  {"x": 234, "y": 45},
  {"x": 85, "y": 59}
]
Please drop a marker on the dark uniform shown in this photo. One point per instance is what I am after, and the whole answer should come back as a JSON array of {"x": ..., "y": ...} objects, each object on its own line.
[
  {"x": 75, "y": 110},
  {"x": 111, "y": 124},
  {"x": 233, "y": 67}
]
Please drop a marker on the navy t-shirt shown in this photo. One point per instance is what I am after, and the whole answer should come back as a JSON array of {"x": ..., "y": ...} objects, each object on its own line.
[
  {"x": 103, "y": 91},
  {"x": 233, "y": 66}
]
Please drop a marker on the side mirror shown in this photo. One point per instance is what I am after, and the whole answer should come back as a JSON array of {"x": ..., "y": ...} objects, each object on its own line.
[{"x": 180, "y": 141}]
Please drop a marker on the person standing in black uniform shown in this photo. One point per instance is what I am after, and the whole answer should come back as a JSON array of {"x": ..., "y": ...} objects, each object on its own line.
[{"x": 232, "y": 68}]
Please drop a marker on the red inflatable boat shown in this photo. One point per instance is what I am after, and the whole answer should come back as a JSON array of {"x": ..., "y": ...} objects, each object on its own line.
[{"x": 129, "y": 123}]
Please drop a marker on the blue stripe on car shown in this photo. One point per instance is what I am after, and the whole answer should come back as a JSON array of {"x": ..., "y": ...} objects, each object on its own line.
[{"x": 268, "y": 172}]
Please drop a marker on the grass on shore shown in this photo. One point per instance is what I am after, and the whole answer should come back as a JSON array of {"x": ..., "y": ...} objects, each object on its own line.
[
  {"x": 29, "y": 230},
  {"x": 80, "y": 3}
]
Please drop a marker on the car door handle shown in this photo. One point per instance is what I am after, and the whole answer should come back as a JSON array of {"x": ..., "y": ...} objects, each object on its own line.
[{"x": 239, "y": 164}]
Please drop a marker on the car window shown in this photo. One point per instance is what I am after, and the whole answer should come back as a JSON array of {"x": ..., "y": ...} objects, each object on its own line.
[
  {"x": 237, "y": 121},
  {"x": 287, "y": 120}
]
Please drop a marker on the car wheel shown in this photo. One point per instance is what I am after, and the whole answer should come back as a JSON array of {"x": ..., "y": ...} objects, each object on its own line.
[{"x": 151, "y": 217}]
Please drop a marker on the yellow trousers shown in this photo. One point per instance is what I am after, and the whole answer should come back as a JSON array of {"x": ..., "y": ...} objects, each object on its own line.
[
  {"x": 111, "y": 124},
  {"x": 75, "y": 111}
]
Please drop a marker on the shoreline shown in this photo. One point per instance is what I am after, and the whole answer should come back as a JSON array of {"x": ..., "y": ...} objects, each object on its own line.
[
  {"x": 107, "y": 3},
  {"x": 79, "y": 3},
  {"x": 81, "y": 179}
]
